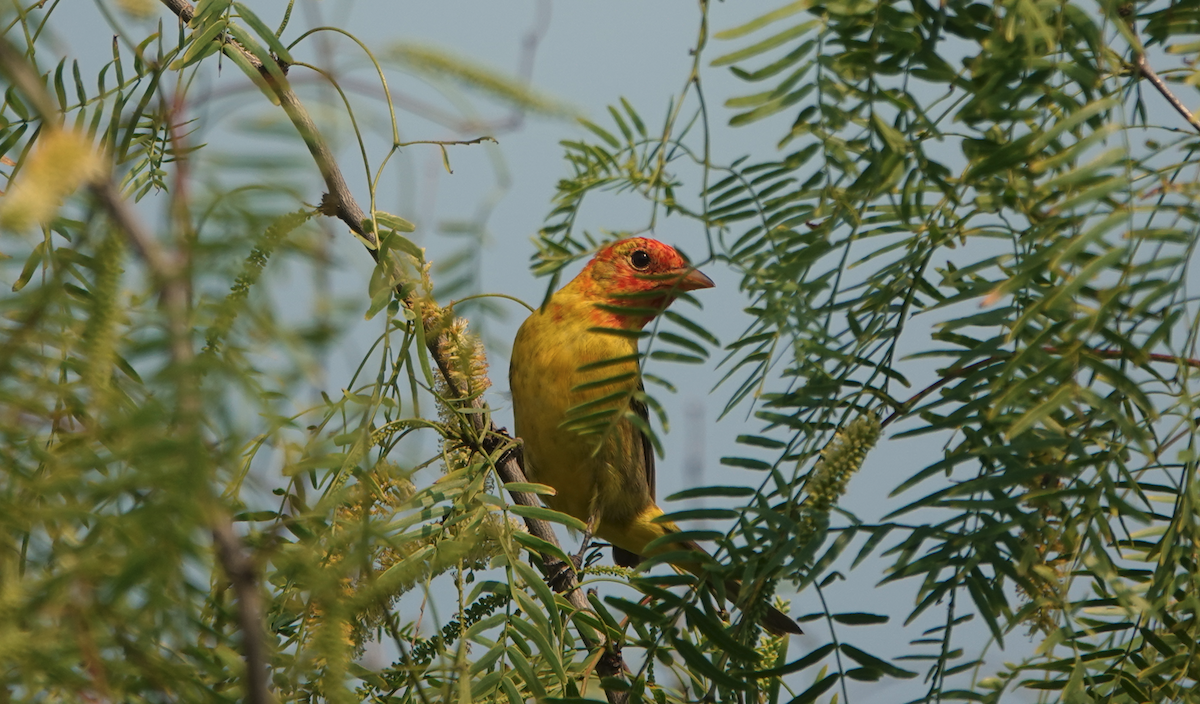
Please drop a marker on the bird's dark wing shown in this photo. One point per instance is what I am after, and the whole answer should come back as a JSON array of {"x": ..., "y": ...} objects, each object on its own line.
[
  {"x": 623, "y": 557},
  {"x": 639, "y": 407}
]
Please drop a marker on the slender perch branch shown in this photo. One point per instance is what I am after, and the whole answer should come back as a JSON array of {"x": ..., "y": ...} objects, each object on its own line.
[
  {"x": 340, "y": 201},
  {"x": 560, "y": 575}
]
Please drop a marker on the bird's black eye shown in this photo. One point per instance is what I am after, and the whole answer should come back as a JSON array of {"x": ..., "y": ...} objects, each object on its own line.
[{"x": 639, "y": 259}]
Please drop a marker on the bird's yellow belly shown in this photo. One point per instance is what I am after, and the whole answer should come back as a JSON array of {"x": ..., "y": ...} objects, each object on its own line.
[{"x": 586, "y": 459}]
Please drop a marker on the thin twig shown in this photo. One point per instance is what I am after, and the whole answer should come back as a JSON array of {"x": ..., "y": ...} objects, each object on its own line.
[
  {"x": 240, "y": 570},
  {"x": 450, "y": 142},
  {"x": 952, "y": 374},
  {"x": 1149, "y": 356},
  {"x": 1145, "y": 69}
]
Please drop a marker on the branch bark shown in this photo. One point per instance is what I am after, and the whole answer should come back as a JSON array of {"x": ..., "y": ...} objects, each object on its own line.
[{"x": 243, "y": 576}]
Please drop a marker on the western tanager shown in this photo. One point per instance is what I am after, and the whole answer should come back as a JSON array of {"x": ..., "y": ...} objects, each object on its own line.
[{"x": 574, "y": 379}]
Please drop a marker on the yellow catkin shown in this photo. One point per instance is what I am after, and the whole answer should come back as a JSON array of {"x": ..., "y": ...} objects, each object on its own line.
[
  {"x": 471, "y": 543},
  {"x": 465, "y": 358},
  {"x": 393, "y": 490},
  {"x": 139, "y": 9},
  {"x": 100, "y": 335},
  {"x": 1044, "y": 565},
  {"x": 841, "y": 458},
  {"x": 460, "y": 353},
  {"x": 61, "y": 162},
  {"x": 463, "y": 374}
]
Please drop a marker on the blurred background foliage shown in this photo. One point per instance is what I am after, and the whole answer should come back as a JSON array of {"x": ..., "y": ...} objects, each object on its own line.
[{"x": 974, "y": 230}]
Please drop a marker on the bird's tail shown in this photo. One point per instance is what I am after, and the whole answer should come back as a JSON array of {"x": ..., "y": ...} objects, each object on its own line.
[{"x": 773, "y": 620}]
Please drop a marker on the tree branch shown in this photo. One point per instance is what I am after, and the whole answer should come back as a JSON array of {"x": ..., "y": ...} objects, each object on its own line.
[
  {"x": 559, "y": 575},
  {"x": 340, "y": 201},
  {"x": 240, "y": 570}
]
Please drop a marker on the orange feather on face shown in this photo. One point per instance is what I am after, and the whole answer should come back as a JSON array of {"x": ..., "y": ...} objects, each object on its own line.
[{"x": 575, "y": 380}]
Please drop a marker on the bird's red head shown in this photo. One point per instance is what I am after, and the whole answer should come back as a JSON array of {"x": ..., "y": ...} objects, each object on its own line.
[{"x": 639, "y": 274}]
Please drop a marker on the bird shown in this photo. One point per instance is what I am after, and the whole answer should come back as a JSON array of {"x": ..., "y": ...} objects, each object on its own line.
[{"x": 576, "y": 393}]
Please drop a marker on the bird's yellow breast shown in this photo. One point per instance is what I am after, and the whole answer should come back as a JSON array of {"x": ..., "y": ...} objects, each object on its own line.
[{"x": 571, "y": 420}]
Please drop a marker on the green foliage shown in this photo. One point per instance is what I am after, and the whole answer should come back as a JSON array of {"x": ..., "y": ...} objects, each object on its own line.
[
  {"x": 1032, "y": 208},
  {"x": 973, "y": 235}
]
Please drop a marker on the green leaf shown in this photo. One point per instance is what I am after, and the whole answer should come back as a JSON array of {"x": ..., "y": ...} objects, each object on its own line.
[
  {"x": 264, "y": 32},
  {"x": 633, "y": 117},
  {"x": 637, "y": 611},
  {"x": 1061, "y": 395},
  {"x": 765, "y": 45},
  {"x": 683, "y": 342},
  {"x": 812, "y": 658},
  {"x": 817, "y": 689},
  {"x": 763, "y": 20},
  {"x": 531, "y": 488},
  {"x": 719, "y": 636},
  {"x": 713, "y": 491},
  {"x": 252, "y": 73},
  {"x": 258, "y": 51},
  {"x": 701, "y": 664},
  {"x": 703, "y": 514},
  {"x": 31, "y": 266},
  {"x": 399, "y": 224},
  {"x": 860, "y": 619},
  {"x": 890, "y": 135},
  {"x": 435, "y": 61},
  {"x": 601, "y": 133},
  {"x": 527, "y": 672},
  {"x": 745, "y": 463},
  {"x": 550, "y": 654},
  {"x": 544, "y": 595},
  {"x": 545, "y": 514},
  {"x": 203, "y": 44},
  {"x": 541, "y": 547},
  {"x": 676, "y": 357},
  {"x": 869, "y": 661}
]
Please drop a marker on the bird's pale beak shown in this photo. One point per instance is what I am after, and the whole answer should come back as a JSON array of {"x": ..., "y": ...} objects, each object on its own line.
[{"x": 692, "y": 279}]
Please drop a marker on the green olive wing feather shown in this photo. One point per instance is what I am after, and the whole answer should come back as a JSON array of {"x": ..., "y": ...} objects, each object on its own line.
[{"x": 621, "y": 556}]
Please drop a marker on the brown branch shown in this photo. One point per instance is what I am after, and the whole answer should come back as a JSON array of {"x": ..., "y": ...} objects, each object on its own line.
[
  {"x": 560, "y": 576},
  {"x": 237, "y": 565},
  {"x": 1149, "y": 356},
  {"x": 240, "y": 570},
  {"x": 340, "y": 201},
  {"x": 950, "y": 376},
  {"x": 450, "y": 142},
  {"x": 1145, "y": 69}
]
